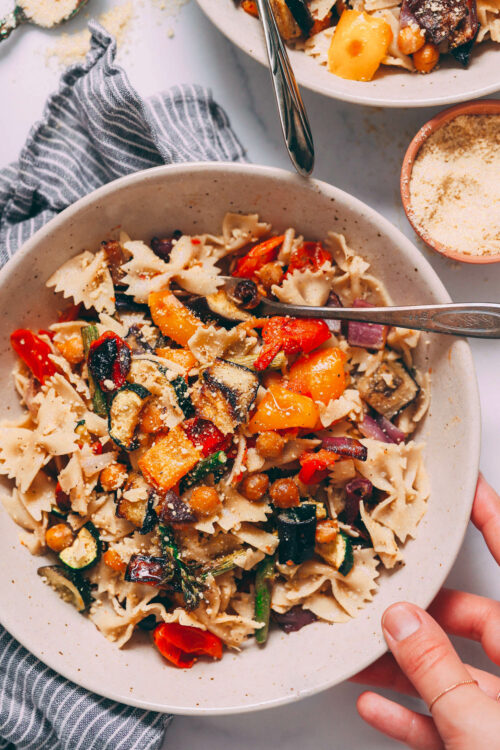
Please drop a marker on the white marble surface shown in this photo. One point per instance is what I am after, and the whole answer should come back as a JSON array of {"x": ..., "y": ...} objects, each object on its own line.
[{"x": 359, "y": 150}]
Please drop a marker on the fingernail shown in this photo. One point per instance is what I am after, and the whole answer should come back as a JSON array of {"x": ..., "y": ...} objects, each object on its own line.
[{"x": 400, "y": 621}]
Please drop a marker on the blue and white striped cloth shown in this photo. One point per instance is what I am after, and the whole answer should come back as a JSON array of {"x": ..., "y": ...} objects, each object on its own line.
[{"x": 94, "y": 129}]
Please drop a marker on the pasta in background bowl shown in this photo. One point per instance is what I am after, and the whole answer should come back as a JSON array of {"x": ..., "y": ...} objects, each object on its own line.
[{"x": 196, "y": 197}]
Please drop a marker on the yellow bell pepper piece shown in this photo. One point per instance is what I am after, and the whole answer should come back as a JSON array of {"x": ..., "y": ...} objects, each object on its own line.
[
  {"x": 358, "y": 46},
  {"x": 281, "y": 409},
  {"x": 319, "y": 375}
]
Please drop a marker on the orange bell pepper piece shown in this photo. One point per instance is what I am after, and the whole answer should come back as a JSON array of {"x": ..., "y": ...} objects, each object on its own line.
[
  {"x": 258, "y": 256},
  {"x": 183, "y": 357},
  {"x": 282, "y": 409},
  {"x": 172, "y": 318},
  {"x": 319, "y": 375}
]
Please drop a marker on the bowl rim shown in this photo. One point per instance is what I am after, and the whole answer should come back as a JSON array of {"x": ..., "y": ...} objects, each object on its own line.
[
  {"x": 363, "y": 99},
  {"x": 436, "y": 286},
  {"x": 482, "y": 107}
]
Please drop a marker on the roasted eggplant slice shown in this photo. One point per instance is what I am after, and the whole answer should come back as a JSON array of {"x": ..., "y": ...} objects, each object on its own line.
[
  {"x": 302, "y": 15},
  {"x": 70, "y": 585},
  {"x": 297, "y": 534},
  {"x": 135, "y": 338},
  {"x": 389, "y": 389},
  {"x": 222, "y": 305},
  {"x": 172, "y": 395},
  {"x": 85, "y": 550},
  {"x": 124, "y": 412},
  {"x": 463, "y": 38},
  {"x": 146, "y": 569},
  {"x": 175, "y": 510},
  {"x": 227, "y": 394},
  {"x": 141, "y": 512},
  {"x": 438, "y": 19},
  {"x": 287, "y": 25}
]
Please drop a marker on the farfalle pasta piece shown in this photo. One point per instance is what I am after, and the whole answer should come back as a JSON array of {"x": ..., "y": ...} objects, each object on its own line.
[
  {"x": 87, "y": 280},
  {"x": 210, "y": 342},
  {"x": 249, "y": 533},
  {"x": 21, "y": 456},
  {"x": 351, "y": 280},
  {"x": 306, "y": 287},
  {"x": 348, "y": 405},
  {"x": 239, "y": 230}
]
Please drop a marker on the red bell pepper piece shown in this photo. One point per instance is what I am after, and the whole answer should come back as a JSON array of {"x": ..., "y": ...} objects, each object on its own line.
[
  {"x": 182, "y": 645},
  {"x": 315, "y": 466},
  {"x": 71, "y": 313},
  {"x": 34, "y": 352},
  {"x": 206, "y": 436},
  {"x": 257, "y": 257},
  {"x": 290, "y": 335},
  {"x": 310, "y": 255}
]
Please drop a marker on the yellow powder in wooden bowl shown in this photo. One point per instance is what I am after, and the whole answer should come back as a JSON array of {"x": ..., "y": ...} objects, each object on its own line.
[{"x": 455, "y": 186}]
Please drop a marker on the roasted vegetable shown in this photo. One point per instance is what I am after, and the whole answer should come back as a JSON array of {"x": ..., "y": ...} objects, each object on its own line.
[
  {"x": 183, "y": 357},
  {"x": 223, "y": 564},
  {"x": 463, "y": 38},
  {"x": 366, "y": 335},
  {"x": 183, "y": 576},
  {"x": 314, "y": 466},
  {"x": 172, "y": 317},
  {"x": 206, "y": 436},
  {"x": 85, "y": 550},
  {"x": 266, "y": 251},
  {"x": 302, "y": 15},
  {"x": 389, "y": 389},
  {"x": 137, "y": 341},
  {"x": 146, "y": 569},
  {"x": 70, "y": 585},
  {"x": 346, "y": 446},
  {"x": 90, "y": 334},
  {"x": 220, "y": 304},
  {"x": 34, "y": 352},
  {"x": 227, "y": 394},
  {"x": 141, "y": 513},
  {"x": 124, "y": 411},
  {"x": 182, "y": 644},
  {"x": 309, "y": 255},
  {"x": 214, "y": 464},
  {"x": 297, "y": 534},
  {"x": 359, "y": 45},
  {"x": 183, "y": 398},
  {"x": 109, "y": 359},
  {"x": 343, "y": 558},
  {"x": 172, "y": 395},
  {"x": 439, "y": 20},
  {"x": 263, "y": 584},
  {"x": 245, "y": 294},
  {"x": 290, "y": 335},
  {"x": 171, "y": 458},
  {"x": 295, "y": 619},
  {"x": 319, "y": 375},
  {"x": 175, "y": 510},
  {"x": 249, "y": 360},
  {"x": 357, "y": 490},
  {"x": 282, "y": 409}
]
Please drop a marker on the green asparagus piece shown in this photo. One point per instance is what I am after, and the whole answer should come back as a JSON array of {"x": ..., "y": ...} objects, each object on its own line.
[
  {"x": 177, "y": 571},
  {"x": 223, "y": 564},
  {"x": 263, "y": 586},
  {"x": 248, "y": 360},
  {"x": 90, "y": 334},
  {"x": 214, "y": 464}
]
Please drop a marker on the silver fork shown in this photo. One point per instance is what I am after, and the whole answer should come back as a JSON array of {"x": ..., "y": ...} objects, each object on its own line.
[{"x": 475, "y": 319}]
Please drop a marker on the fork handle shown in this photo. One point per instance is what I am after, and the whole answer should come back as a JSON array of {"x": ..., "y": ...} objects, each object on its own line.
[{"x": 475, "y": 319}]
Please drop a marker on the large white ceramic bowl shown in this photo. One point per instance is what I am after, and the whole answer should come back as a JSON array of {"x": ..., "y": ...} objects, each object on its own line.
[
  {"x": 195, "y": 198},
  {"x": 391, "y": 87}
]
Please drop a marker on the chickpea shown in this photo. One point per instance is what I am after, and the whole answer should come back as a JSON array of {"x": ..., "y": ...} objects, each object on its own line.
[
  {"x": 151, "y": 419},
  {"x": 59, "y": 537},
  {"x": 285, "y": 493},
  {"x": 113, "y": 477},
  {"x": 270, "y": 444},
  {"x": 72, "y": 350},
  {"x": 326, "y": 531},
  {"x": 269, "y": 274},
  {"x": 254, "y": 487},
  {"x": 410, "y": 39},
  {"x": 205, "y": 500},
  {"x": 113, "y": 560},
  {"x": 426, "y": 58}
]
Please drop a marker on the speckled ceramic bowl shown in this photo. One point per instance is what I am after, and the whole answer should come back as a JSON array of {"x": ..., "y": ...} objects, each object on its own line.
[{"x": 195, "y": 198}]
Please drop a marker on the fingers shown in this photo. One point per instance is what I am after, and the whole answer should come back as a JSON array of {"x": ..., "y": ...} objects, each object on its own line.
[
  {"x": 427, "y": 657},
  {"x": 469, "y": 616},
  {"x": 386, "y": 673},
  {"x": 486, "y": 515},
  {"x": 398, "y": 722}
]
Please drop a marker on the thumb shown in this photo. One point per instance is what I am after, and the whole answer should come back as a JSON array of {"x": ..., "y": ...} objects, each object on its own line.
[{"x": 428, "y": 659}]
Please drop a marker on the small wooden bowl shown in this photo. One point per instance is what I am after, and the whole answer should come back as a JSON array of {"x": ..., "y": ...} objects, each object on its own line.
[{"x": 482, "y": 107}]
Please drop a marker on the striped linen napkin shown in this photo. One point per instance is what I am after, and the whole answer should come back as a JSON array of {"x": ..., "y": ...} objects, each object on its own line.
[{"x": 94, "y": 129}]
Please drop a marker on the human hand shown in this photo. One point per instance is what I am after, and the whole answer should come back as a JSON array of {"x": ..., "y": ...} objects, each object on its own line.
[{"x": 424, "y": 663}]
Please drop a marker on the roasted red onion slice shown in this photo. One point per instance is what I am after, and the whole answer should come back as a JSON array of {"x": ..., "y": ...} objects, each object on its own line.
[
  {"x": 394, "y": 434},
  {"x": 357, "y": 490},
  {"x": 295, "y": 619},
  {"x": 366, "y": 335},
  {"x": 333, "y": 301},
  {"x": 380, "y": 428},
  {"x": 175, "y": 510},
  {"x": 345, "y": 446}
]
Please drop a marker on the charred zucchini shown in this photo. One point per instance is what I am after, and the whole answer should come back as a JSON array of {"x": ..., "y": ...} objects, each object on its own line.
[
  {"x": 70, "y": 585},
  {"x": 85, "y": 550},
  {"x": 141, "y": 513},
  {"x": 172, "y": 394},
  {"x": 343, "y": 558},
  {"x": 227, "y": 394},
  {"x": 124, "y": 412},
  {"x": 389, "y": 389},
  {"x": 297, "y": 534},
  {"x": 302, "y": 15},
  {"x": 182, "y": 395}
]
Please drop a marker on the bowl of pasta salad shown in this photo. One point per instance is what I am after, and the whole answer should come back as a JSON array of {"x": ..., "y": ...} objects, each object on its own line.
[
  {"x": 192, "y": 490},
  {"x": 386, "y": 53}
]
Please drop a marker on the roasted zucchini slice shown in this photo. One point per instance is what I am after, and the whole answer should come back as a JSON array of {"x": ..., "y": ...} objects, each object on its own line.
[
  {"x": 343, "y": 558},
  {"x": 222, "y": 305},
  {"x": 227, "y": 394},
  {"x": 141, "y": 512},
  {"x": 124, "y": 412},
  {"x": 297, "y": 534},
  {"x": 389, "y": 389},
  {"x": 70, "y": 585},
  {"x": 172, "y": 395},
  {"x": 85, "y": 550}
]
